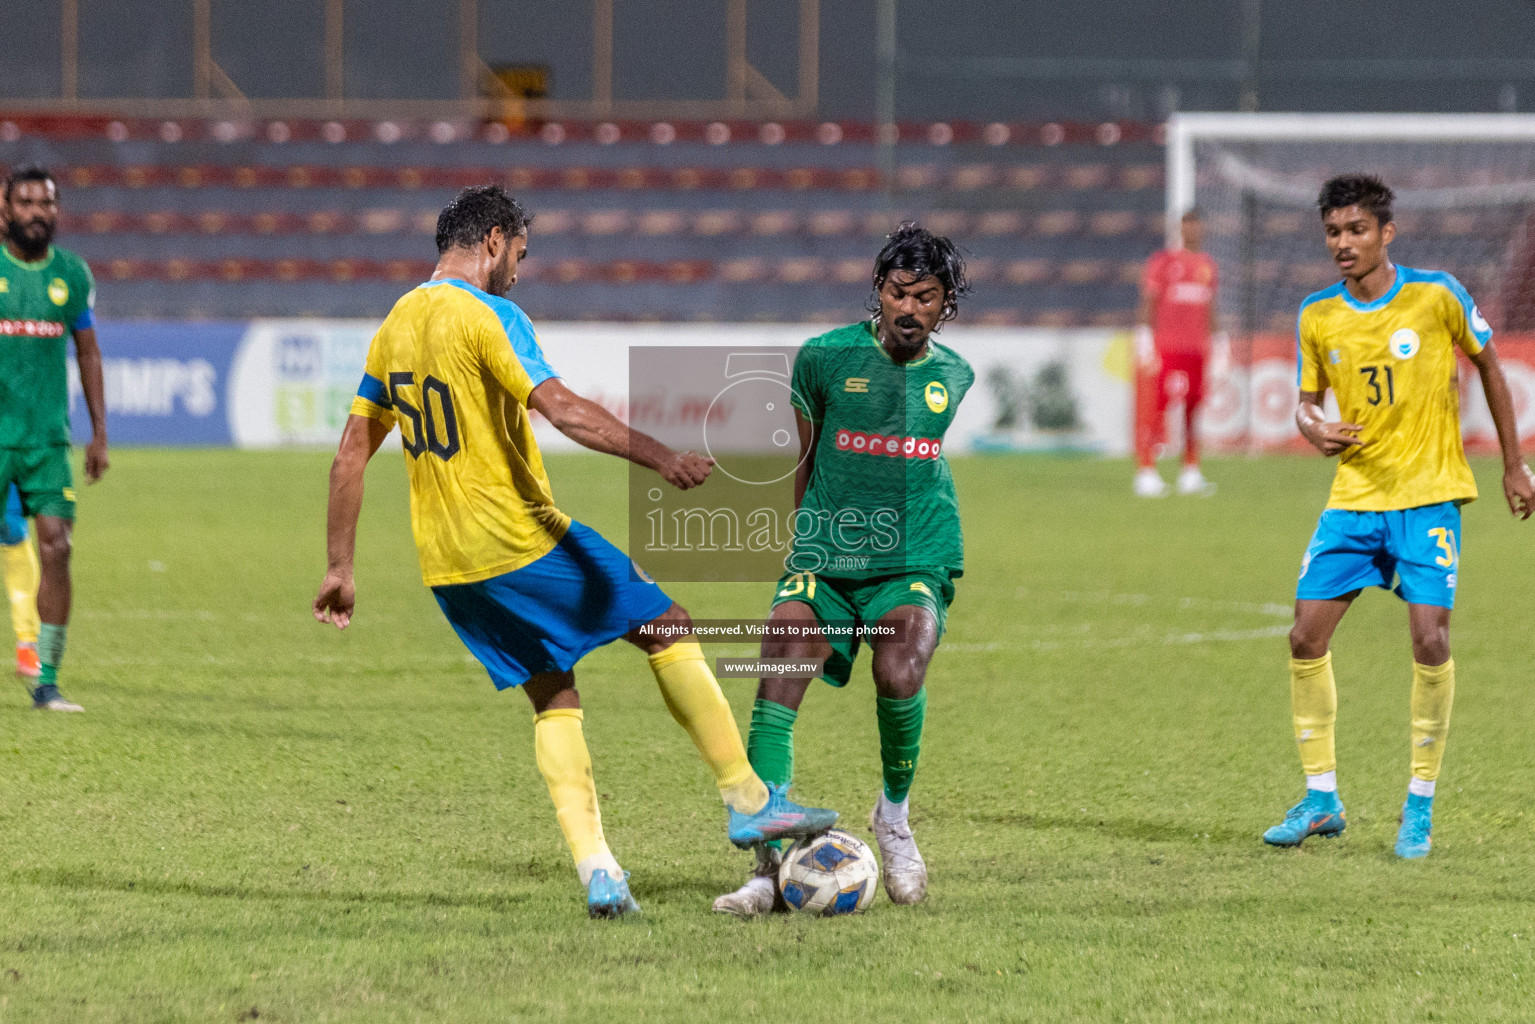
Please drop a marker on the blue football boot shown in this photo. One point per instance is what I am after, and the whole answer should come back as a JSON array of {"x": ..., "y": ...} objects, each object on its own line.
[
  {"x": 780, "y": 818},
  {"x": 1320, "y": 814},
  {"x": 607, "y": 896},
  {"x": 1413, "y": 839}
]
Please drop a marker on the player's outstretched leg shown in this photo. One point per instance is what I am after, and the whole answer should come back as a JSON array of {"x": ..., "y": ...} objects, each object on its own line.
[
  {"x": 1433, "y": 692},
  {"x": 770, "y": 749},
  {"x": 559, "y": 746},
  {"x": 758, "y": 812}
]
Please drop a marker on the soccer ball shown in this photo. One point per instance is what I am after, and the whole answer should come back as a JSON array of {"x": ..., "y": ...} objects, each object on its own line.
[{"x": 830, "y": 874}]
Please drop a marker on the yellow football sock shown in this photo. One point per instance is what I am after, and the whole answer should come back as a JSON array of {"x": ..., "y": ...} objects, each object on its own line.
[
  {"x": 1314, "y": 704},
  {"x": 22, "y": 575},
  {"x": 560, "y": 749},
  {"x": 1433, "y": 691},
  {"x": 693, "y": 697}
]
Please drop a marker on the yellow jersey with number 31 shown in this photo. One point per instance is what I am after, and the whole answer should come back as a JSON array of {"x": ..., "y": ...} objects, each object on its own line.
[
  {"x": 453, "y": 366},
  {"x": 1391, "y": 364}
]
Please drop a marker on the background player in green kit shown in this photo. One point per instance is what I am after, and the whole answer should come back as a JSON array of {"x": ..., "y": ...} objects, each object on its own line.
[
  {"x": 876, "y": 536},
  {"x": 46, "y": 294}
]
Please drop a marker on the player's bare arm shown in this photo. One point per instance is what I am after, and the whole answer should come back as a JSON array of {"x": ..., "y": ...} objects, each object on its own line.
[
  {"x": 591, "y": 426},
  {"x": 1518, "y": 483},
  {"x": 359, "y": 441},
  {"x": 88, "y": 355},
  {"x": 1327, "y": 438}
]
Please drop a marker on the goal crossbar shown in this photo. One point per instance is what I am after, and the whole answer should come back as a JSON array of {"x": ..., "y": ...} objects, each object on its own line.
[{"x": 1184, "y": 130}]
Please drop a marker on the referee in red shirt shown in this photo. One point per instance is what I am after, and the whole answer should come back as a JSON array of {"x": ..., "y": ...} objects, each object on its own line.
[{"x": 1174, "y": 328}]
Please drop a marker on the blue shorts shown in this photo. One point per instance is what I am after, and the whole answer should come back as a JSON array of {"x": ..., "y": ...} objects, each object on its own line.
[
  {"x": 14, "y": 529},
  {"x": 1419, "y": 547},
  {"x": 551, "y": 613}
]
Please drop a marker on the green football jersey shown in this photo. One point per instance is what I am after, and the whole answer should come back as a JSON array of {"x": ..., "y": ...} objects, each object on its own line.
[
  {"x": 880, "y": 499},
  {"x": 40, "y": 305}
]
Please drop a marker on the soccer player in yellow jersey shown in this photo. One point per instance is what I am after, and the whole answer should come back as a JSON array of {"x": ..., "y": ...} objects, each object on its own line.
[
  {"x": 1384, "y": 340},
  {"x": 528, "y": 590}
]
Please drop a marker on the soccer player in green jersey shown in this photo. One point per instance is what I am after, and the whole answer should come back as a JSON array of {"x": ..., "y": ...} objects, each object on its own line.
[
  {"x": 877, "y": 539},
  {"x": 46, "y": 293}
]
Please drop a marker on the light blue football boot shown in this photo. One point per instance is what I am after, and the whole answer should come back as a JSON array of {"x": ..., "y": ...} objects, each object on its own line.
[
  {"x": 1413, "y": 838},
  {"x": 607, "y": 896},
  {"x": 780, "y": 818},
  {"x": 1319, "y": 814}
]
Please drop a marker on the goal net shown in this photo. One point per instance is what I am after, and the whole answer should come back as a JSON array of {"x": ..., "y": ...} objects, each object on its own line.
[{"x": 1465, "y": 188}]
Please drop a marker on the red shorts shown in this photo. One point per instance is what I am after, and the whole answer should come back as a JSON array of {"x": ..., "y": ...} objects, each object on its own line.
[{"x": 1181, "y": 378}]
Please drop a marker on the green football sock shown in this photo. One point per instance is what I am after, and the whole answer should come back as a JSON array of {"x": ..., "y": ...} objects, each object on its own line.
[
  {"x": 900, "y": 741},
  {"x": 770, "y": 746},
  {"x": 50, "y": 651},
  {"x": 770, "y": 742}
]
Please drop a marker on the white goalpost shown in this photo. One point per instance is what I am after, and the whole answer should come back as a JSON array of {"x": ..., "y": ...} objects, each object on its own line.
[{"x": 1465, "y": 187}]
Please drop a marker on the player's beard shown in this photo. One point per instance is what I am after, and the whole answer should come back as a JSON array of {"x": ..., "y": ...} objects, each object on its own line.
[
  {"x": 500, "y": 281},
  {"x": 898, "y": 341},
  {"x": 31, "y": 237}
]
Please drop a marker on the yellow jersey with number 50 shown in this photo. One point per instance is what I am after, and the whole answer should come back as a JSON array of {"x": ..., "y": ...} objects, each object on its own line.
[
  {"x": 1391, "y": 364},
  {"x": 453, "y": 366}
]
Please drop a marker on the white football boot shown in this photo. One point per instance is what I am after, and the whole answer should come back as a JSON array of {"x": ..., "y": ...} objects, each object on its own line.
[
  {"x": 900, "y": 863},
  {"x": 1149, "y": 483},
  {"x": 1192, "y": 481},
  {"x": 760, "y": 893}
]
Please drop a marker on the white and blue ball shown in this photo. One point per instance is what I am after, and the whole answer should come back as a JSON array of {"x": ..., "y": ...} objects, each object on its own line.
[{"x": 831, "y": 874}]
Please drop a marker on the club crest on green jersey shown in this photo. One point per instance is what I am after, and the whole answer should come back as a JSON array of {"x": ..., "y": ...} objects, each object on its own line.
[
  {"x": 937, "y": 396},
  {"x": 58, "y": 291}
]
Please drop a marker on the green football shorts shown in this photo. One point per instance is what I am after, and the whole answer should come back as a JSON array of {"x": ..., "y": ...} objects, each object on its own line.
[
  {"x": 864, "y": 601},
  {"x": 43, "y": 477}
]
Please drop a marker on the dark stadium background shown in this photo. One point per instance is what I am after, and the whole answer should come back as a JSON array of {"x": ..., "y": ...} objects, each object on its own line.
[{"x": 196, "y": 212}]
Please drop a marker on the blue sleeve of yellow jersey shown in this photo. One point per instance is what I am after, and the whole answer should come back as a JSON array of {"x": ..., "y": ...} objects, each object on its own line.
[
  {"x": 519, "y": 334},
  {"x": 1307, "y": 375},
  {"x": 1470, "y": 330},
  {"x": 509, "y": 349},
  {"x": 373, "y": 400},
  {"x": 518, "y": 329}
]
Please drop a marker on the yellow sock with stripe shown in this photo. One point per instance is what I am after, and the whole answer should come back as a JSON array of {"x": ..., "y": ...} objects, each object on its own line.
[
  {"x": 560, "y": 748},
  {"x": 22, "y": 576},
  {"x": 693, "y": 697},
  {"x": 1314, "y": 705},
  {"x": 1433, "y": 692}
]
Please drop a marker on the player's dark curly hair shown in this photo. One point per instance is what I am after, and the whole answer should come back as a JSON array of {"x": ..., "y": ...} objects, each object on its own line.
[
  {"x": 921, "y": 253},
  {"x": 1366, "y": 191},
  {"x": 30, "y": 173},
  {"x": 464, "y": 223}
]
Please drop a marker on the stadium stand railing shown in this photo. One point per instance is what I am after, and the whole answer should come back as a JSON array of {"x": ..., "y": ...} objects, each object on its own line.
[{"x": 654, "y": 221}]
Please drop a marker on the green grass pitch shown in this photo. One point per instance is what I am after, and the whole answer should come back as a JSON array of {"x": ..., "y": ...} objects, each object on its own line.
[{"x": 260, "y": 818}]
